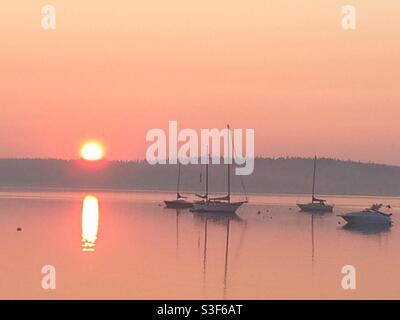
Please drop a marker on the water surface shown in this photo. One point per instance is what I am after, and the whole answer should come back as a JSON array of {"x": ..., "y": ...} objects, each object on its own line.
[{"x": 128, "y": 246}]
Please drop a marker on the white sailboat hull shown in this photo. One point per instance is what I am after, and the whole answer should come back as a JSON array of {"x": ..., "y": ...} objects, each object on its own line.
[
  {"x": 368, "y": 217},
  {"x": 216, "y": 206}
]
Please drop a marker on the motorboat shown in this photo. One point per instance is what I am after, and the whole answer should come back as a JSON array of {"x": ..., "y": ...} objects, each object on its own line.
[{"x": 373, "y": 215}]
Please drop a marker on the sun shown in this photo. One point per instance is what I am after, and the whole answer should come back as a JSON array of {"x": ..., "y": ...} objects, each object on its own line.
[{"x": 92, "y": 151}]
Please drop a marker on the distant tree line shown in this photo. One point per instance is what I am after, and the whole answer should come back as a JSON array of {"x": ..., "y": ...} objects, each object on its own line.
[{"x": 279, "y": 175}]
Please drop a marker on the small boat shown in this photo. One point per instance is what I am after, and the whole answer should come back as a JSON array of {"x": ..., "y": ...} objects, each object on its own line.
[
  {"x": 218, "y": 204},
  {"x": 372, "y": 215},
  {"x": 179, "y": 202},
  {"x": 316, "y": 205}
]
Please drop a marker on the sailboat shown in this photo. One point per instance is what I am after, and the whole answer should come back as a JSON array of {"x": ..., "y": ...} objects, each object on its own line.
[
  {"x": 179, "y": 202},
  {"x": 218, "y": 204},
  {"x": 316, "y": 205}
]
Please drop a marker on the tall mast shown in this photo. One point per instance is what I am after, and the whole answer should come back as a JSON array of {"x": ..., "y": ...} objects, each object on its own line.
[
  {"x": 178, "y": 182},
  {"x": 313, "y": 181},
  {"x": 205, "y": 196},
  {"x": 229, "y": 165},
  {"x": 207, "y": 177}
]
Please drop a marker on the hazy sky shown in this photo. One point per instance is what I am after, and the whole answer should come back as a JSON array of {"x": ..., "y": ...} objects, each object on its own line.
[{"x": 114, "y": 69}]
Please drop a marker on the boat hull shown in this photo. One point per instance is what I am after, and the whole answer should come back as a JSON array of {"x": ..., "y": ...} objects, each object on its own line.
[
  {"x": 178, "y": 204},
  {"x": 217, "y": 207},
  {"x": 315, "y": 207},
  {"x": 366, "y": 218}
]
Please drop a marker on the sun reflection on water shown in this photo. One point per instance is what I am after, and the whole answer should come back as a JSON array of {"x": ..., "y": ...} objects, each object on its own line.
[{"x": 90, "y": 223}]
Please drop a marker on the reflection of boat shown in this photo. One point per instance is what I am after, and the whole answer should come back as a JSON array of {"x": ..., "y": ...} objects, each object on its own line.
[
  {"x": 219, "y": 204},
  {"x": 226, "y": 257},
  {"x": 222, "y": 220},
  {"x": 316, "y": 205},
  {"x": 367, "y": 228},
  {"x": 312, "y": 241},
  {"x": 369, "y": 216},
  {"x": 179, "y": 202},
  {"x": 218, "y": 217}
]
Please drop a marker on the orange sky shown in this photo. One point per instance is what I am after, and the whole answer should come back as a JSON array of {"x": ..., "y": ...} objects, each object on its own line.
[{"x": 114, "y": 69}]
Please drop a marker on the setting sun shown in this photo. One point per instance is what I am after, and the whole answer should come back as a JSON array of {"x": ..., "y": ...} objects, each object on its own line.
[{"x": 92, "y": 151}]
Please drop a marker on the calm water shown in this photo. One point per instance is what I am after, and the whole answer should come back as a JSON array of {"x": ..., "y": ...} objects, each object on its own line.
[{"x": 127, "y": 246}]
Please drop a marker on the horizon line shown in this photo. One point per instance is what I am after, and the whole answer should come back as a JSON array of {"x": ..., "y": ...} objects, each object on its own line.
[{"x": 255, "y": 158}]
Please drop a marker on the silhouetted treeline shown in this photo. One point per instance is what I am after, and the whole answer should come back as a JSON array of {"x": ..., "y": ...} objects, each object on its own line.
[{"x": 282, "y": 175}]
